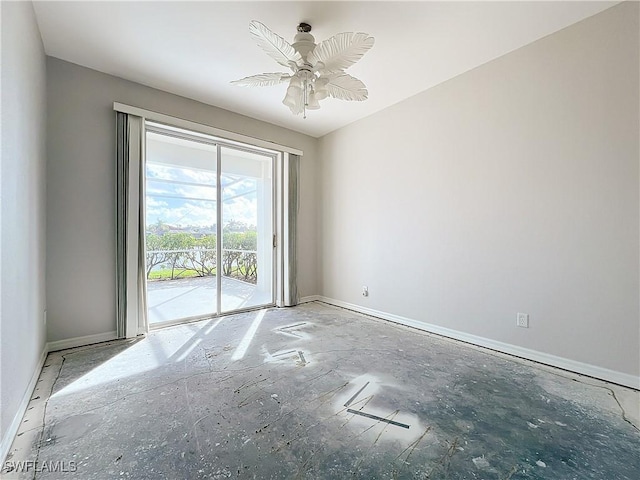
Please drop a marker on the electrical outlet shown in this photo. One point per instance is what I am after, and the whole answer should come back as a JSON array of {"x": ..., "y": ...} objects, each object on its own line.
[
  {"x": 44, "y": 317},
  {"x": 522, "y": 320},
  {"x": 365, "y": 291}
]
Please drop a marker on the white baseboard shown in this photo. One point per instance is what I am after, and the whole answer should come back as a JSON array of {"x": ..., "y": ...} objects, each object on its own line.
[
  {"x": 534, "y": 355},
  {"x": 10, "y": 433},
  {"x": 80, "y": 341},
  {"x": 310, "y": 298}
]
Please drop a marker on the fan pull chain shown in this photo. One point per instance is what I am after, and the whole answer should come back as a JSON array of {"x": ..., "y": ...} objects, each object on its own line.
[{"x": 305, "y": 99}]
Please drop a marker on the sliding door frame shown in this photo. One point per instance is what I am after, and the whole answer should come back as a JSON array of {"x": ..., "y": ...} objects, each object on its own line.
[{"x": 168, "y": 129}]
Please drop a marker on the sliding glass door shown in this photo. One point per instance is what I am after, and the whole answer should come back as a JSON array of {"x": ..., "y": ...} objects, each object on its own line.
[
  {"x": 209, "y": 226},
  {"x": 247, "y": 229}
]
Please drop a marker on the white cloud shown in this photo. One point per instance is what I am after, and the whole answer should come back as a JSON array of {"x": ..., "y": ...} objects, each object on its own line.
[
  {"x": 160, "y": 171},
  {"x": 173, "y": 211},
  {"x": 207, "y": 178},
  {"x": 241, "y": 209},
  {"x": 188, "y": 213},
  {"x": 205, "y": 193},
  {"x": 155, "y": 203}
]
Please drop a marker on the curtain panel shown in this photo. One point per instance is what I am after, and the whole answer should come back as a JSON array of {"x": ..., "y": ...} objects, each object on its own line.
[
  {"x": 130, "y": 258},
  {"x": 292, "y": 199}
]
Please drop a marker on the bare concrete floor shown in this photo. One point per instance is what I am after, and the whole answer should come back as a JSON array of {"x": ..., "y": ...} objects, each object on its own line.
[{"x": 316, "y": 392}]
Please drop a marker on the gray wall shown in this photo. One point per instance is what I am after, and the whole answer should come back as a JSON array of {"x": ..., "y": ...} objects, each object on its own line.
[
  {"x": 81, "y": 190},
  {"x": 511, "y": 188},
  {"x": 22, "y": 208}
]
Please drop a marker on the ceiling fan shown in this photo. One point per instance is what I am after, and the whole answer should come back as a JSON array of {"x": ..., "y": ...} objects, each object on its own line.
[{"x": 318, "y": 70}]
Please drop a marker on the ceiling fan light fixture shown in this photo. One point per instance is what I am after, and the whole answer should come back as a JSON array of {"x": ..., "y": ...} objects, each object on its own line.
[
  {"x": 296, "y": 82},
  {"x": 293, "y": 98},
  {"x": 321, "y": 94},
  {"x": 312, "y": 102},
  {"x": 318, "y": 69},
  {"x": 320, "y": 88},
  {"x": 296, "y": 97}
]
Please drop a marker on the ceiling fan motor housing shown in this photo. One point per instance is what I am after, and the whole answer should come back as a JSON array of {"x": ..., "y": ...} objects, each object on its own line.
[{"x": 303, "y": 44}]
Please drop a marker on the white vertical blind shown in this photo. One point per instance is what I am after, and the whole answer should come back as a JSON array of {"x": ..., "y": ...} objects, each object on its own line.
[
  {"x": 130, "y": 285},
  {"x": 290, "y": 231}
]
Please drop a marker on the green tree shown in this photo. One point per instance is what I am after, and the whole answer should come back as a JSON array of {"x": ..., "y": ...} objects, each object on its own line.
[
  {"x": 155, "y": 255},
  {"x": 175, "y": 245},
  {"x": 203, "y": 256},
  {"x": 183, "y": 253},
  {"x": 236, "y": 260}
]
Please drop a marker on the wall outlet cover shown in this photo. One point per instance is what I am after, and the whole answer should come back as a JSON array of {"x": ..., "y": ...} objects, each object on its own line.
[{"x": 522, "y": 320}]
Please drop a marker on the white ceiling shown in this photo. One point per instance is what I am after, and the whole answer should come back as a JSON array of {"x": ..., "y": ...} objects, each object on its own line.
[{"x": 195, "y": 49}]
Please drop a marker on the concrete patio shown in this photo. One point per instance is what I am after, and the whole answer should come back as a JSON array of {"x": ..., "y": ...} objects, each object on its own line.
[{"x": 170, "y": 300}]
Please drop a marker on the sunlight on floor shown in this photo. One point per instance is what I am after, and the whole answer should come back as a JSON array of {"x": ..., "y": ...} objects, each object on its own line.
[
  {"x": 143, "y": 356},
  {"x": 246, "y": 340}
]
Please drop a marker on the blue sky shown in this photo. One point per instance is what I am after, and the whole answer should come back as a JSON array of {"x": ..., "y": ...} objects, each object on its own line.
[{"x": 189, "y": 211}]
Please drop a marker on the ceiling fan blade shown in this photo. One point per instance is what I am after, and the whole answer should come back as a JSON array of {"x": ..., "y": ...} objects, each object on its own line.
[
  {"x": 340, "y": 51},
  {"x": 345, "y": 87},
  {"x": 274, "y": 45},
  {"x": 262, "y": 80}
]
